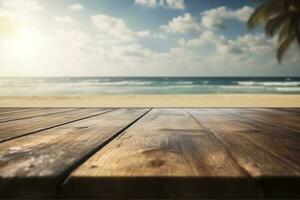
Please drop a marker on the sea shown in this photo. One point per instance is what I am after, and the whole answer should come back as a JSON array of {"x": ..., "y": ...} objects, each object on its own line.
[{"x": 60, "y": 86}]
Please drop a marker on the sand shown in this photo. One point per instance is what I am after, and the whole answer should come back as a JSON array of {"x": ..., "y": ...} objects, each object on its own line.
[{"x": 238, "y": 100}]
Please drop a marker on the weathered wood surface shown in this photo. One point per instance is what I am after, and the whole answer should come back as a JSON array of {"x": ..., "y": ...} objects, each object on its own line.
[
  {"x": 51, "y": 154},
  {"x": 143, "y": 153},
  {"x": 282, "y": 118},
  {"x": 14, "y": 129},
  {"x": 12, "y": 110},
  {"x": 166, "y": 143},
  {"x": 261, "y": 149},
  {"x": 30, "y": 113},
  {"x": 256, "y": 146}
]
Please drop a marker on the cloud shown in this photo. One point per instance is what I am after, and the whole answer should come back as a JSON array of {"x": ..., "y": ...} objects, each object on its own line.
[
  {"x": 116, "y": 42},
  {"x": 17, "y": 15},
  {"x": 181, "y": 24},
  {"x": 240, "y": 49},
  {"x": 214, "y": 18},
  {"x": 76, "y": 7},
  {"x": 147, "y": 3},
  {"x": 116, "y": 29},
  {"x": 66, "y": 21},
  {"x": 26, "y": 6},
  {"x": 175, "y": 4},
  {"x": 210, "y": 20},
  {"x": 73, "y": 39},
  {"x": 203, "y": 38},
  {"x": 170, "y": 4},
  {"x": 257, "y": 43},
  {"x": 109, "y": 46}
]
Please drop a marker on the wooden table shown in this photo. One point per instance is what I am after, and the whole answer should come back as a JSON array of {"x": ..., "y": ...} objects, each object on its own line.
[{"x": 149, "y": 153}]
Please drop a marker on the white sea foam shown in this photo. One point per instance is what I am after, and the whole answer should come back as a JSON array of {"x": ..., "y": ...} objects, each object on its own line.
[
  {"x": 286, "y": 89},
  {"x": 126, "y": 83},
  {"x": 240, "y": 87},
  {"x": 252, "y": 83},
  {"x": 66, "y": 86}
]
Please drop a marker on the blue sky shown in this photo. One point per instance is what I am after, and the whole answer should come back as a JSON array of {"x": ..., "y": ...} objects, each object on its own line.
[{"x": 136, "y": 38}]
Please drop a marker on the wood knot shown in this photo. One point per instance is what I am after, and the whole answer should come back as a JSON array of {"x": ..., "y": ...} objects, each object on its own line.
[
  {"x": 85, "y": 127},
  {"x": 156, "y": 163}
]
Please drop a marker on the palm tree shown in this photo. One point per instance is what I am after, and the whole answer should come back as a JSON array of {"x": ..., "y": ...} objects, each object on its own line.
[{"x": 282, "y": 18}]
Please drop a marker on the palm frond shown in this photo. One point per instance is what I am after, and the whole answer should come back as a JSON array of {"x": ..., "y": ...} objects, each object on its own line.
[
  {"x": 283, "y": 47},
  {"x": 264, "y": 12},
  {"x": 274, "y": 24},
  {"x": 284, "y": 31},
  {"x": 295, "y": 26},
  {"x": 280, "y": 17},
  {"x": 255, "y": 18}
]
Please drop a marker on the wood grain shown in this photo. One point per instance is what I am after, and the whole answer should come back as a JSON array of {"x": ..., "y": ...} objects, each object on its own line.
[
  {"x": 236, "y": 131},
  {"x": 12, "y": 110},
  {"x": 285, "y": 119},
  {"x": 290, "y": 110},
  {"x": 30, "y": 113},
  {"x": 165, "y": 151},
  {"x": 47, "y": 157},
  {"x": 15, "y": 129},
  {"x": 261, "y": 149}
]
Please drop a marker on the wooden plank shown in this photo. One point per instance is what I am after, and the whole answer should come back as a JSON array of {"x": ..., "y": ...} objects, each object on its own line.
[
  {"x": 35, "y": 165},
  {"x": 285, "y": 119},
  {"x": 12, "y": 110},
  {"x": 261, "y": 149},
  {"x": 7, "y": 109},
  {"x": 13, "y": 129},
  {"x": 291, "y": 110},
  {"x": 167, "y": 154},
  {"x": 30, "y": 113}
]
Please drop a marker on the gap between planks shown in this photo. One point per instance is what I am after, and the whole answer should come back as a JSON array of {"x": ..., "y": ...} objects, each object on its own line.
[
  {"x": 75, "y": 150},
  {"x": 167, "y": 149},
  {"x": 40, "y": 129},
  {"x": 4, "y": 111},
  {"x": 43, "y": 112},
  {"x": 154, "y": 150},
  {"x": 264, "y": 119}
]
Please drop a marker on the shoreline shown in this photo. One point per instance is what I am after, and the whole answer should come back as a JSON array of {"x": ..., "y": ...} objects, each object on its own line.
[{"x": 203, "y": 100}]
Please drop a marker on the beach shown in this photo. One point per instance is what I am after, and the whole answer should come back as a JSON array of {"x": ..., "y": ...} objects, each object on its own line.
[
  {"x": 208, "y": 100},
  {"x": 150, "y": 92}
]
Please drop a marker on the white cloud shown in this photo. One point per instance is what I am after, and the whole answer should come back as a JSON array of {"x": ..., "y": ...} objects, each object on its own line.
[
  {"x": 76, "y": 7},
  {"x": 66, "y": 21},
  {"x": 72, "y": 40},
  {"x": 214, "y": 18},
  {"x": 116, "y": 29},
  {"x": 17, "y": 17},
  {"x": 27, "y": 6},
  {"x": 181, "y": 24},
  {"x": 211, "y": 20},
  {"x": 147, "y": 3},
  {"x": 205, "y": 37},
  {"x": 170, "y": 4},
  {"x": 108, "y": 46},
  {"x": 175, "y": 4},
  {"x": 257, "y": 44},
  {"x": 242, "y": 48}
]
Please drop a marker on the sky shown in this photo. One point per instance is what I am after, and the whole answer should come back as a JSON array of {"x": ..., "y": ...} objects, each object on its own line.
[{"x": 136, "y": 38}]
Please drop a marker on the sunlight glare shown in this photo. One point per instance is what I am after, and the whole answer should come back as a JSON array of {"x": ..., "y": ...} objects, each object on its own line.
[{"x": 24, "y": 48}]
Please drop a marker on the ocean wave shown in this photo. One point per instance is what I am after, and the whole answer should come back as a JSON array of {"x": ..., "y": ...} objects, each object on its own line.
[
  {"x": 287, "y": 89},
  {"x": 178, "y": 83},
  {"x": 270, "y": 84},
  {"x": 120, "y": 83},
  {"x": 241, "y": 87},
  {"x": 61, "y": 86}
]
